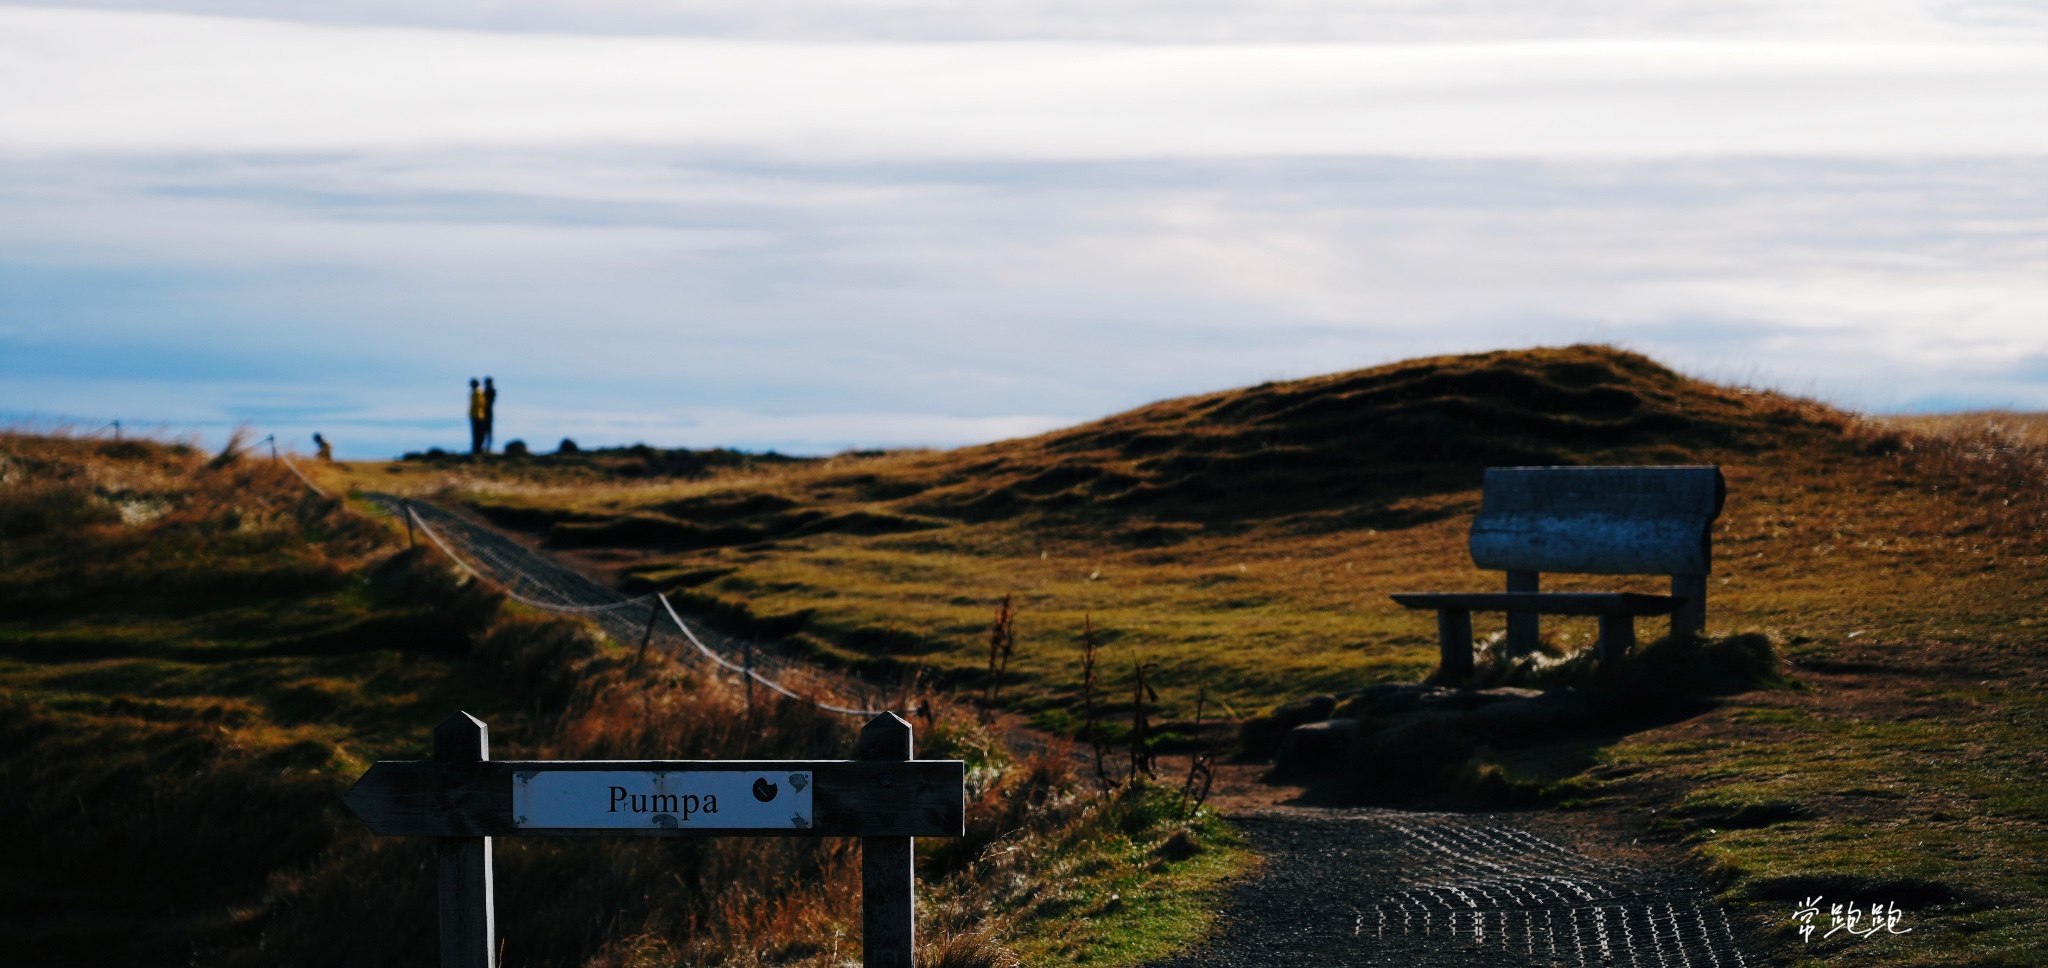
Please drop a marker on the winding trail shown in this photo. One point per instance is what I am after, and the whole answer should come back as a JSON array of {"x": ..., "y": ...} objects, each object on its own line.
[{"x": 1336, "y": 886}]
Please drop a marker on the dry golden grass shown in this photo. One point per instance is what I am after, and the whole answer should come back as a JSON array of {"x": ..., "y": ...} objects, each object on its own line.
[
  {"x": 197, "y": 660},
  {"x": 2025, "y": 428},
  {"x": 1247, "y": 542}
]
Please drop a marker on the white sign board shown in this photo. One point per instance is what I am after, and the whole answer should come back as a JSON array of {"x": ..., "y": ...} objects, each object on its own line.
[{"x": 668, "y": 800}]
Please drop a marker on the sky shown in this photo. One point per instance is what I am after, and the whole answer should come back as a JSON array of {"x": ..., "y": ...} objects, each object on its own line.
[{"x": 817, "y": 225}]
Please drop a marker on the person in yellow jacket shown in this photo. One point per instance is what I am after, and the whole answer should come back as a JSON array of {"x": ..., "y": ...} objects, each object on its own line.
[{"x": 479, "y": 418}]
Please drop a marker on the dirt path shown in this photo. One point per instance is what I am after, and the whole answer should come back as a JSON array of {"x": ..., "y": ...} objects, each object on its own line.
[
  {"x": 1349, "y": 885},
  {"x": 1346, "y": 885},
  {"x": 1382, "y": 887}
]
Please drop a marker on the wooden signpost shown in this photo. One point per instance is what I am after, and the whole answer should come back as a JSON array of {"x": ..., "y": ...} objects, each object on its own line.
[{"x": 465, "y": 798}]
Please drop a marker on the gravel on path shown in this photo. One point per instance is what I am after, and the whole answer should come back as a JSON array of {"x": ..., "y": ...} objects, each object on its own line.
[{"x": 1341, "y": 887}]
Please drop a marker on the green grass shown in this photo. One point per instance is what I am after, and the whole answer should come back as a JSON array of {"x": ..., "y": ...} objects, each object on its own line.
[
  {"x": 1943, "y": 813},
  {"x": 1106, "y": 882},
  {"x": 1247, "y": 541},
  {"x": 1115, "y": 899}
]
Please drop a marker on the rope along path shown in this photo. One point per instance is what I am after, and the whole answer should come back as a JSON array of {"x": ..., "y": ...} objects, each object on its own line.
[{"x": 532, "y": 580}]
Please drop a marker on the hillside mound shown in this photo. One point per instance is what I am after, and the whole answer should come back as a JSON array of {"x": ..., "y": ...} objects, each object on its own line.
[
  {"x": 1364, "y": 438},
  {"x": 1345, "y": 450}
]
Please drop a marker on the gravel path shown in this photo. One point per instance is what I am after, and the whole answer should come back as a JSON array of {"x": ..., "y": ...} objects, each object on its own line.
[{"x": 1385, "y": 887}]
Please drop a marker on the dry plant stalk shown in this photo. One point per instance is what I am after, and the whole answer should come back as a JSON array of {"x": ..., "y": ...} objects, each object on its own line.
[
  {"x": 1091, "y": 726},
  {"x": 1141, "y": 723},
  {"x": 1002, "y": 641},
  {"x": 1202, "y": 768}
]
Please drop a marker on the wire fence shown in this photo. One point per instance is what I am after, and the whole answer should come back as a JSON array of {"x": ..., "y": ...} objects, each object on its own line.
[{"x": 650, "y": 621}]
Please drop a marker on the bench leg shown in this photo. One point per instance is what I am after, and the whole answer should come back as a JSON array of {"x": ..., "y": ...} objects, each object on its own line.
[
  {"x": 1617, "y": 637},
  {"x": 1691, "y": 617},
  {"x": 1454, "y": 639},
  {"x": 1523, "y": 628}
]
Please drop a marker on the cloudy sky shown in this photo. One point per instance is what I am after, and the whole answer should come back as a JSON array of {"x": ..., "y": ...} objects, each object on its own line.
[{"x": 820, "y": 224}]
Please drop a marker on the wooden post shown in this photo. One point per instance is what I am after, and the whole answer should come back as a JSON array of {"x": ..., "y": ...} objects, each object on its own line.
[
  {"x": 749, "y": 677},
  {"x": 1454, "y": 639},
  {"x": 405, "y": 509},
  {"x": 1617, "y": 637},
  {"x": 1523, "y": 629},
  {"x": 888, "y": 898},
  {"x": 653, "y": 612},
  {"x": 1691, "y": 617},
  {"x": 469, "y": 936}
]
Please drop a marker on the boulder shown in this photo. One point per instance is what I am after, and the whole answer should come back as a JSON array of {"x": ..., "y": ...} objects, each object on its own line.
[
  {"x": 1445, "y": 699},
  {"x": 1385, "y": 699},
  {"x": 1312, "y": 747},
  {"x": 1305, "y": 710},
  {"x": 1261, "y": 735}
]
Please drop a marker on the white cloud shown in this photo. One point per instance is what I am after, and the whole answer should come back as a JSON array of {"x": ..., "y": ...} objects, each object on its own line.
[
  {"x": 1169, "y": 21},
  {"x": 92, "y": 81}
]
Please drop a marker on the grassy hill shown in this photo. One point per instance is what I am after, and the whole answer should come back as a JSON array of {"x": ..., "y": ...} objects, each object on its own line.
[
  {"x": 198, "y": 657},
  {"x": 1246, "y": 542}
]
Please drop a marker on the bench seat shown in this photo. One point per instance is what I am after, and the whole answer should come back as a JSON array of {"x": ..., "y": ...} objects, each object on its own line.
[{"x": 1546, "y": 603}]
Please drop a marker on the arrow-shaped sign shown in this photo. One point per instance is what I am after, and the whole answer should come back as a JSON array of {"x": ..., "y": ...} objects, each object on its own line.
[{"x": 816, "y": 798}]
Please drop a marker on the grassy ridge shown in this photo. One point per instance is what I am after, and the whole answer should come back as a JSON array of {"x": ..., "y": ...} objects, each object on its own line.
[
  {"x": 1246, "y": 541},
  {"x": 198, "y": 657},
  {"x": 1243, "y": 539}
]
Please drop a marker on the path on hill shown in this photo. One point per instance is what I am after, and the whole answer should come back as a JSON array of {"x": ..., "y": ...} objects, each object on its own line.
[
  {"x": 1336, "y": 886},
  {"x": 533, "y": 578},
  {"x": 1363, "y": 886}
]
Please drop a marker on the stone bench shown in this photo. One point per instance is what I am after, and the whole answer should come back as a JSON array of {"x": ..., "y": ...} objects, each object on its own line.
[{"x": 1584, "y": 520}]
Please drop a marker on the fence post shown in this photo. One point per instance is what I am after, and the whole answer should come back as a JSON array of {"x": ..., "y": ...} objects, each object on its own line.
[
  {"x": 405, "y": 509},
  {"x": 653, "y": 612},
  {"x": 272, "y": 440},
  {"x": 469, "y": 935},
  {"x": 888, "y": 898}
]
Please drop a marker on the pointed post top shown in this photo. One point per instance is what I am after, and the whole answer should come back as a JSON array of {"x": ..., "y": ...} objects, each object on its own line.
[
  {"x": 462, "y": 737},
  {"x": 885, "y": 737}
]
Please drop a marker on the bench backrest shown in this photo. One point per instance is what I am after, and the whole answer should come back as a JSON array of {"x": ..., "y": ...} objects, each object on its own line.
[{"x": 1599, "y": 520}]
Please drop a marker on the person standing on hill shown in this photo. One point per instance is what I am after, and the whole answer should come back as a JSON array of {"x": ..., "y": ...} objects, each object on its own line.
[
  {"x": 479, "y": 414},
  {"x": 490, "y": 415}
]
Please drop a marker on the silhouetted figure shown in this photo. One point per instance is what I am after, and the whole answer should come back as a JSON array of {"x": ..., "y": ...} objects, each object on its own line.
[
  {"x": 479, "y": 419},
  {"x": 490, "y": 415},
  {"x": 326, "y": 449}
]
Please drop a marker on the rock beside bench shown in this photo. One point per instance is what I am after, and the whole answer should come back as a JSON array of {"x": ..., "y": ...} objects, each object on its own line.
[{"x": 1408, "y": 724}]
